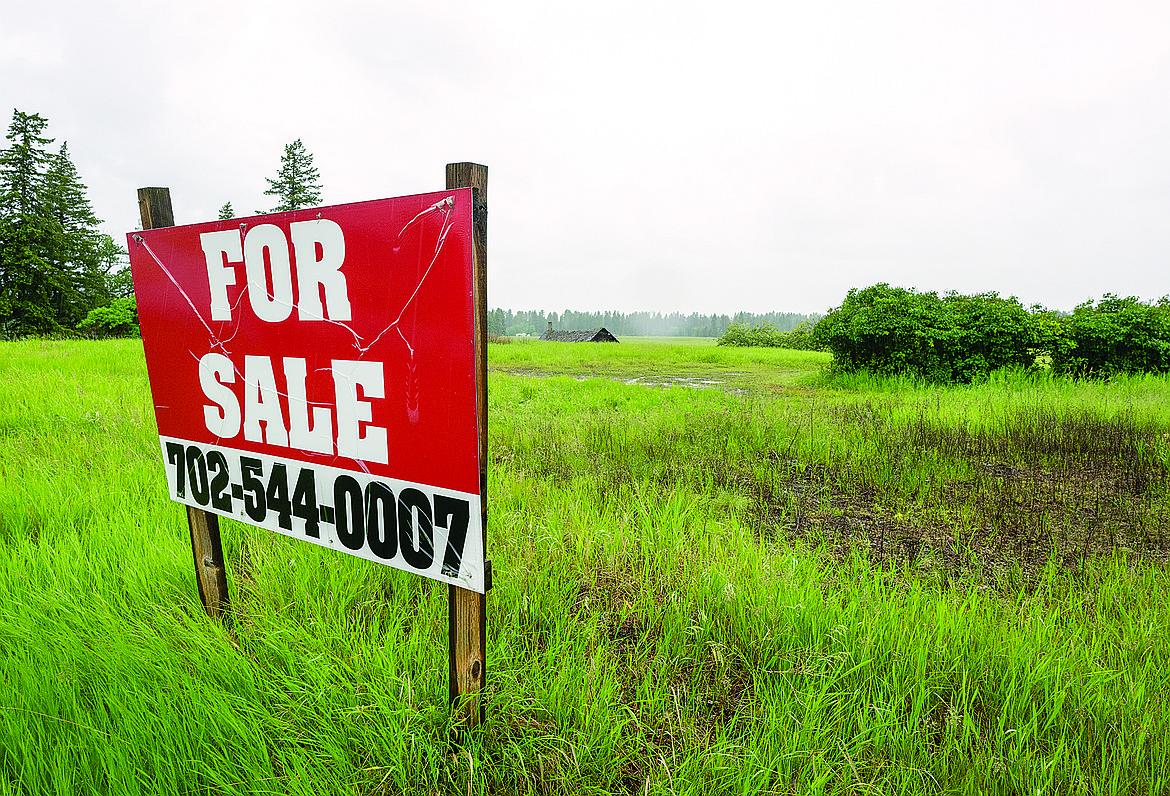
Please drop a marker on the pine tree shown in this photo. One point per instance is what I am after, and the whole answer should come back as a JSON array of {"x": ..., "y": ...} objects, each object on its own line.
[
  {"x": 82, "y": 262},
  {"x": 54, "y": 264},
  {"x": 296, "y": 184},
  {"x": 26, "y": 234},
  {"x": 226, "y": 213}
]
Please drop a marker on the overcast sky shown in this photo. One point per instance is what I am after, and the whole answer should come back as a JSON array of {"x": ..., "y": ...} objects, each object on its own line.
[{"x": 710, "y": 157}]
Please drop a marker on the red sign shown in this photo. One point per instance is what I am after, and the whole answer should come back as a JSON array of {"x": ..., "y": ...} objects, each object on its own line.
[{"x": 313, "y": 372}]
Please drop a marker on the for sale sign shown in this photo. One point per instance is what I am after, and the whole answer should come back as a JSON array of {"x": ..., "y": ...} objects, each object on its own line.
[{"x": 313, "y": 373}]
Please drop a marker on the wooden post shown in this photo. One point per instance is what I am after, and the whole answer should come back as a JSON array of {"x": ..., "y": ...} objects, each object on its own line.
[
  {"x": 154, "y": 206},
  {"x": 467, "y": 610}
]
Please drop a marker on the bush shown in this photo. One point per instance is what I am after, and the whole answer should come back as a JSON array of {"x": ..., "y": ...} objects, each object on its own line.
[
  {"x": 118, "y": 319},
  {"x": 767, "y": 335},
  {"x": 802, "y": 338},
  {"x": 987, "y": 333},
  {"x": 956, "y": 338},
  {"x": 961, "y": 339},
  {"x": 740, "y": 334},
  {"x": 1114, "y": 336}
]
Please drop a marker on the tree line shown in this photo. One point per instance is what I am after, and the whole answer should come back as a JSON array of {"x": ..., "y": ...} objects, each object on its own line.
[{"x": 637, "y": 324}]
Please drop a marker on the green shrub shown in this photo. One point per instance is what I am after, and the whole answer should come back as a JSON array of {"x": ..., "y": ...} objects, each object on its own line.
[
  {"x": 802, "y": 338},
  {"x": 987, "y": 333},
  {"x": 1114, "y": 336},
  {"x": 766, "y": 335},
  {"x": 952, "y": 339},
  {"x": 740, "y": 334},
  {"x": 118, "y": 319}
]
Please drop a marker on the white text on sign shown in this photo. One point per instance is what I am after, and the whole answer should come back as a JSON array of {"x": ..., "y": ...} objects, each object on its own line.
[
  {"x": 262, "y": 418},
  {"x": 319, "y": 249}
]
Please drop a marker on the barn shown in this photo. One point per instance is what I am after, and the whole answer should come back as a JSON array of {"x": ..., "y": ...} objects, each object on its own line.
[{"x": 584, "y": 336}]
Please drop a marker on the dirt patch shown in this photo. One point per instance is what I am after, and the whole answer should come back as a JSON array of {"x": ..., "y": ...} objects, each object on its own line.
[{"x": 1040, "y": 487}]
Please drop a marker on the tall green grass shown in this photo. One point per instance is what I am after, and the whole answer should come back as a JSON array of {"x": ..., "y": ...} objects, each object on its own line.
[
  {"x": 693, "y": 595},
  {"x": 655, "y": 361}
]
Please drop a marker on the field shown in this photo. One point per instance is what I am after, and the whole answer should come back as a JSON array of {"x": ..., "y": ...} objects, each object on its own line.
[{"x": 716, "y": 571}]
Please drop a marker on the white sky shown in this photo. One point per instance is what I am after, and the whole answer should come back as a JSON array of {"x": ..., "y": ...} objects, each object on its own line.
[{"x": 709, "y": 157}]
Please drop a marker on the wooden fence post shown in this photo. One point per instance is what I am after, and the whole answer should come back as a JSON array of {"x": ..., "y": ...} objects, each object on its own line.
[
  {"x": 154, "y": 207},
  {"x": 467, "y": 610}
]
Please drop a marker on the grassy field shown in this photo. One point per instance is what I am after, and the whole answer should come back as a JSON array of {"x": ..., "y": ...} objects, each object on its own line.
[{"x": 716, "y": 571}]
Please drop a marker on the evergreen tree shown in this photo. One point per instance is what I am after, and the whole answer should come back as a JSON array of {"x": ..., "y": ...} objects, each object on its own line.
[
  {"x": 226, "y": 213},
  {"x": 296, "y": 184},
  {"x": 82, "y": 263},
  {"x": 54, "y": 264},
  {"x": 27, "y": 235}
]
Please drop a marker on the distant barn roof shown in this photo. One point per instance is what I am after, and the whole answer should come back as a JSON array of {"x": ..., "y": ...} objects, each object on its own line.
[{"x": 586, "y": 336}]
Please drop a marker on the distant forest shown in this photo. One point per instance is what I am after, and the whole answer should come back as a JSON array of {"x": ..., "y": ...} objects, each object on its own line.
[{"x": 638, "y": 324}]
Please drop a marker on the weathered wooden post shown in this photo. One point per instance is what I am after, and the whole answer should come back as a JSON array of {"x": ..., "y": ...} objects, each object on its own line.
[
  {"x": 154, "y": 207},
  {"x": 467, "y": 610}
]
